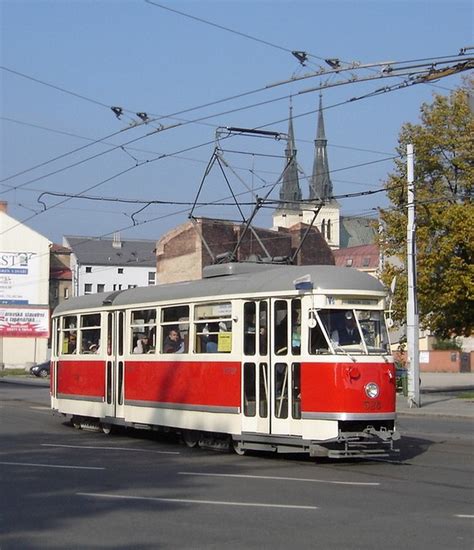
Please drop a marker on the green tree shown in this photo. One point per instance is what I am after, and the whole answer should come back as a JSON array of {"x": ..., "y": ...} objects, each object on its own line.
[{"x": 444, "y": 175}]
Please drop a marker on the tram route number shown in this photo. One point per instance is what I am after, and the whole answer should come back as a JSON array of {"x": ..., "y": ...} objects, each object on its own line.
[{"x": 372, "y": 405}]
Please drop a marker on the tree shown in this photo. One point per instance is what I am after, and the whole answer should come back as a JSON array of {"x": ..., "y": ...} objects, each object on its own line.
[{"x": 444, "y": 175}]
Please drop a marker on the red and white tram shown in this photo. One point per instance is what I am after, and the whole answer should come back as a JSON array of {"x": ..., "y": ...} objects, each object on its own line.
[{"x": 252, "y": 355}]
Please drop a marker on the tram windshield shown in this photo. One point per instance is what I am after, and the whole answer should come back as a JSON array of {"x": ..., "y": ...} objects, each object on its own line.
[{"x": 347, "y": 331}]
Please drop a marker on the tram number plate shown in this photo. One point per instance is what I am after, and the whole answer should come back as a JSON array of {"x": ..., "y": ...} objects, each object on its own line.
[{"x": 372, "y": 405}]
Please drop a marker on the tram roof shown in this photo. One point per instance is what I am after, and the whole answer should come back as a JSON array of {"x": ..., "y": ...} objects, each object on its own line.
[{"x": 233, "y": 280}]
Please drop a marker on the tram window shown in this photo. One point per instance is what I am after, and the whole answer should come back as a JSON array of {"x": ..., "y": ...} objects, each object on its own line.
[
  {"x": 296, "y": 390},
  {"x": 250, "y": 397},
  {"x": 175, "y": 329},
  {"x": 110, "y": 328},
  {"x": 296, "y": 327},
  {"x": 69, "y": 334},
  {"x": 120, "y": 335},
  {"x": 281, "y": 390},
  {"x": 263, "y": 328},
  {"x": 57, "y": 337},
  {"x": 372, "y": 324},
  {"x": 143, "y": 331},
  {"x": 213, "y": 325},
  {"x": 90, "y": 339},
  {"x": 342, "y": 329},
  {"x": 249, "y": 328},
  {"x": 317, "y": 341},
  {"x": 263, "y": 390},
  {"x": 281, "y": 327}
]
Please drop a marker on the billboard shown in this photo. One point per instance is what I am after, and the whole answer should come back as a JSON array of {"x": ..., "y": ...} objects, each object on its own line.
[
  {"x": 19, "y": 275},
  {"x": 24, "y": 321}
]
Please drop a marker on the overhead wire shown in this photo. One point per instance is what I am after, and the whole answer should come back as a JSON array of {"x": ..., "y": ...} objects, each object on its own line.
[
  {"x": 148, "y": 151},
  {"x": 187, "y": 149},
  {"x": 216, "y": 25},
  {"x": 157, "y": 117},
  {"x": 218, "y": 202},
  {"x": 165, "y": 156},
  {"x": 230, "y": 111}
]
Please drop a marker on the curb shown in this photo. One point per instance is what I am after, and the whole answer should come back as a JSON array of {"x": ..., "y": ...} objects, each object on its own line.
[
  {"x": 25, "y": 382},
  {"x": 420, "y": 412}
]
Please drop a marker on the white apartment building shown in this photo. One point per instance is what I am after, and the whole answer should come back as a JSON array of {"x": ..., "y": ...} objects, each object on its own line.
[{"x": 108, "y": 265}]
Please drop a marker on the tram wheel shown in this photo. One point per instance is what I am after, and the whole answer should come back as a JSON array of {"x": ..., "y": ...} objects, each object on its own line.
[
  {"x": 106, "y": 428},
  {"x": 237, "y": 446},
  {"x": 76, "y": 423},
  {"x": 191, "y": 438}
]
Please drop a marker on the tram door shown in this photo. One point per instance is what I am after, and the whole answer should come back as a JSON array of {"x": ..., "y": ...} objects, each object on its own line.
[
  {"x": 115, "y": 365},
  {"x": 285, "y": 391},
  {"x": 256, "y": 367}
]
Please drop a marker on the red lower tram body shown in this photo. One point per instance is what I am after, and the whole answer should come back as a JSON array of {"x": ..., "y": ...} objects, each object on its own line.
[{"x": 336, "y": 409}]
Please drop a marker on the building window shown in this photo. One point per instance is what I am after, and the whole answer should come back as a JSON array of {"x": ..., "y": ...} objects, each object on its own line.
[
  {"x": 120, "y": 270},
  {"x": 328, "y": 230},
  {"x": 348, "y": 262},
  {"x": 66, "y": 293},
  {"x": 100, "y": 288},
  {"x": 88, "y": 269},
  {"x": 88, "y": 288},
  {"x": 151, "y": 278},
  {"x": 366, "y": 262},
  {"x": 132, "y": 286}
]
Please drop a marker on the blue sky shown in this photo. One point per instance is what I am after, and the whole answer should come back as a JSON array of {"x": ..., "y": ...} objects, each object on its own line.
[{"x": 147, "y": 59}]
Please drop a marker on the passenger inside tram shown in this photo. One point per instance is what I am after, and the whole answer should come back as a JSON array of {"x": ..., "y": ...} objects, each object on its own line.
[
  {"x": 173, "y": 342},
  {"x": 141, "y": 345}
]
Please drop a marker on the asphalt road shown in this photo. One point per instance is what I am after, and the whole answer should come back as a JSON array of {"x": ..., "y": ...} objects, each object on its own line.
[{"x": 67, "y": 488}]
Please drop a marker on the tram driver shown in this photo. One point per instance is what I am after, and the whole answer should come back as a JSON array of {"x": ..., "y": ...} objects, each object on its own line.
[{"x": 347, "y": 333}]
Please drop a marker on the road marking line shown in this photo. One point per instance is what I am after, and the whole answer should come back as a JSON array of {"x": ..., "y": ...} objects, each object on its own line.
[
  {"x": 41, "y": 408},
  {"x": 110, "y": 448},
  {"x": 51, "y": 466},
  {"x": 192, "y": 501},
  {"x": 464, "y": 516},
  {"x": 281, "y": 478}
]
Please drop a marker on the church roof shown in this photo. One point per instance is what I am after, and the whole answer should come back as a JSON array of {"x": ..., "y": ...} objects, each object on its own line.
[{"x": 355, "y": 231}]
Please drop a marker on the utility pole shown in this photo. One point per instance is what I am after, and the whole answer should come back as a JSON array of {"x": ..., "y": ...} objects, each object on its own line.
[{"x": 412, "y": 306}]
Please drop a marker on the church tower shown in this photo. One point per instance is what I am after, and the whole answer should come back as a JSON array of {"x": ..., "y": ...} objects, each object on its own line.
[
  {"x": 289, "y": 211},
  {"x": 320, "y": 188},
  {"x": 320, "y": 185}
]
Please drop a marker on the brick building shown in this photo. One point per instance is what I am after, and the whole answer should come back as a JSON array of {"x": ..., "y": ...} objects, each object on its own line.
[
  {"x": 60, "y": 276},
  {"x": 184, "y": 251}
]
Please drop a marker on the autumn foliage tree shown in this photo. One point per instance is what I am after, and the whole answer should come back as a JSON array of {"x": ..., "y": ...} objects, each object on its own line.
[{"x": 444, "y": 175}]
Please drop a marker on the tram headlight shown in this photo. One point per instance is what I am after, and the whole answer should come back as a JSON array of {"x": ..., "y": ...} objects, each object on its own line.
[{"x": 372, "y": 390}]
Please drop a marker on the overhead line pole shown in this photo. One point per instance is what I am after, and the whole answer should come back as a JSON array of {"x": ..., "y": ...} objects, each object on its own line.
[{"x": 412, "y": 306}]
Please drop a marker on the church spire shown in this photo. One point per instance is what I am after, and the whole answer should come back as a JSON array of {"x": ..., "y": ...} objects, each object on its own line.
[
  {"x": 290, "y": 191},
  {"x": 320, "y": 186}
]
